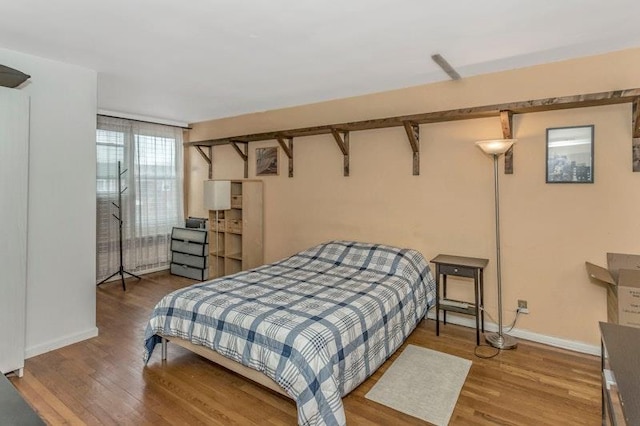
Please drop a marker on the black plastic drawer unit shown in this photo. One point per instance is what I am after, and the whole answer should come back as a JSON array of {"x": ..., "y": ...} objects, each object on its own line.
[
  {"x": 190, "y": 272},
  {"x": 190, "y": 253}
]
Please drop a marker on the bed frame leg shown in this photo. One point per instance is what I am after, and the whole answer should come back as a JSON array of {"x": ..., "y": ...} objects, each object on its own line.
[{"x": 164, "y": 349}]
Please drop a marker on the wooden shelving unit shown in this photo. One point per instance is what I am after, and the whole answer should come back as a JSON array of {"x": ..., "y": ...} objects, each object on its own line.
[{"x": 236, "y": 238}]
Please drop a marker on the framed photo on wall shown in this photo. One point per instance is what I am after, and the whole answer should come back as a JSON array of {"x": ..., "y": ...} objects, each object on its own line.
[
  {"x": 570, "y": 154},
  {"x": 267, "y": 161}
]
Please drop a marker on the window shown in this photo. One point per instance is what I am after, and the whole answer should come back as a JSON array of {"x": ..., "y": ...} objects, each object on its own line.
[
  {"x": 151, "y": 180},
  {"x": 110, "y": 150}
]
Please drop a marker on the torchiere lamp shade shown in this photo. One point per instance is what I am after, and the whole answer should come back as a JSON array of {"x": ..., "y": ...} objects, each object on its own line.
[
  {"x": 217, "y": 194},
  {"x": 495, "y": 146}
]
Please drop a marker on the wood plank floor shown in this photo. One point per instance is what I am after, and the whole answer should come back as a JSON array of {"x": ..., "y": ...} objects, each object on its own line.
[{"x": 103, "y": 380}]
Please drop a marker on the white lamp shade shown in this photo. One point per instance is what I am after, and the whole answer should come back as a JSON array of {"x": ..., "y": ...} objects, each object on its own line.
[
  {"x": 495, "y": 146},
  {"x": 217, "y": 194}
]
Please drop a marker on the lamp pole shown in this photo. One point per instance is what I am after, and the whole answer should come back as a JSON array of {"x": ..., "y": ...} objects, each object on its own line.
[{"x": 496, "y": 148}]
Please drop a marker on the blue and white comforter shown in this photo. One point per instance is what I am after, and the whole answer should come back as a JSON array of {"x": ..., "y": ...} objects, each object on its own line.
[{"x": 318, "y": 323}]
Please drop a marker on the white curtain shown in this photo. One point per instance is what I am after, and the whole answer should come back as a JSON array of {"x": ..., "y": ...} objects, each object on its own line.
[{"x": 151, "y": 181}]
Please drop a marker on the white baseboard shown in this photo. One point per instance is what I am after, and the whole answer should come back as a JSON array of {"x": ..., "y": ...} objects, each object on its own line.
[
  {"x": 524, "y": 334},
  {"x": 59, "y": 343}
]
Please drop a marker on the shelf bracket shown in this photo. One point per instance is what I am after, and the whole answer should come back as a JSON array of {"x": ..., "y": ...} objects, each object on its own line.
[
  {"x": 207, "y": 158},
  {"x": 243, "y": 154},
  {"x": 635, "y": 129},
  {"x": 506, "y": 118},
  {"x": 287, "y": 146},
  {"x": 413, "y": 134},
  {"x": 343, "y": 144},
  {"x": 635, "y": 124}
]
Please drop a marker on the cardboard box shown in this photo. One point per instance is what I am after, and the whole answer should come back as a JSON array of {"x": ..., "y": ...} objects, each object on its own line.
[{"x": 622, "y": 278}]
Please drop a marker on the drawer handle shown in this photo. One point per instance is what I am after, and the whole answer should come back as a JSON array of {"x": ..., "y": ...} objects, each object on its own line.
[{"x": 455, "y": 269}]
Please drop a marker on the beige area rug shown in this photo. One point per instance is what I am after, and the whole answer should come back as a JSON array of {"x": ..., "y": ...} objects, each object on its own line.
[{"x": 422, "y": 383}]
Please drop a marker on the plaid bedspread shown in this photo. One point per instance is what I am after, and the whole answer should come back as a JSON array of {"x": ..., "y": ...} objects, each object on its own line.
[{"x": 318, "y": 323}]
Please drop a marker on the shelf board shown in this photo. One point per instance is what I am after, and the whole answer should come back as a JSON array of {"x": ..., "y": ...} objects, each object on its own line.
[
  {"x": 466, "y": 113},
  {"x": 218, "y": 253},
  {"x": 469, "y": 310},
  {"x": 235, "y": 256}
]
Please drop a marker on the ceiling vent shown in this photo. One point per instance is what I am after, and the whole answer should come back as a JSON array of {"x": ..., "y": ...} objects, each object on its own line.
[{"x": 446, "y": 67}]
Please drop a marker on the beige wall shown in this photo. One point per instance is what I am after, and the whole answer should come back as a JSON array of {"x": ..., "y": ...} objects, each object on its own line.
[{"x": 548, "y": 231}]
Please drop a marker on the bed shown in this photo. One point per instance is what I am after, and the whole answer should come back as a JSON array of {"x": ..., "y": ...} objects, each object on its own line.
[{"x": 316, "y": 324}]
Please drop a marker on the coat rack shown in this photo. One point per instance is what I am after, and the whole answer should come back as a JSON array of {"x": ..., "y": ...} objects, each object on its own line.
[{"x": 121, "y": 271}]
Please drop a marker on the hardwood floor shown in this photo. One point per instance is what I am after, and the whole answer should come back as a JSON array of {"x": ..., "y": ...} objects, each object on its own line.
[{"x": 103, "y": 380}]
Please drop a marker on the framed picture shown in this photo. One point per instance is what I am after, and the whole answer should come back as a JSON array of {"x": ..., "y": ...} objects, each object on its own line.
[
  {"x": 267, "y": 161},
  {"x": 570, "y": 154}
]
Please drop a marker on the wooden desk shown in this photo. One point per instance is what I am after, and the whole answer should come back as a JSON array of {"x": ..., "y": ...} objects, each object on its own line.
[
  {"x": 469, "y": 267},
  {"x": 14, "y": 410},
  {"x": 620, "y": 354}
]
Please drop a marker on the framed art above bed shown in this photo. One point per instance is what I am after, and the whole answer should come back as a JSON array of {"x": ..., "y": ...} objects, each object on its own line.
[{"x": 312, "y": 326}]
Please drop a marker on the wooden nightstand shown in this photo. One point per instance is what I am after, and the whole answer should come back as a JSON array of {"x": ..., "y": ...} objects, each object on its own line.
[{"x": 469, "y": 267}]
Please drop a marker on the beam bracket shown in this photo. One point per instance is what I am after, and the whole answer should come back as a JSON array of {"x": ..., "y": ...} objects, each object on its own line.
[
  {"x": 635, "y": 131},
  {"x": 635, "y": 123},
  {"x": 506, "y": 119},
  {"x": 413, "y": 134},
  {"x": 287, "y": 146},
  {"x": 207, "y": 158},
  {"x": 343, "y": 144},
  {"x": 244, "y": 154}
]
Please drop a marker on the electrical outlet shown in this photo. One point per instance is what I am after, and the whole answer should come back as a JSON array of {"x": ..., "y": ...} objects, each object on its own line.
[{"x": 523, "y": 307}]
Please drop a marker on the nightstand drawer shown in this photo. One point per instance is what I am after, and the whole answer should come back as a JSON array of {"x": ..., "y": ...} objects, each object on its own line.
[{"x": 459, "y": 271}]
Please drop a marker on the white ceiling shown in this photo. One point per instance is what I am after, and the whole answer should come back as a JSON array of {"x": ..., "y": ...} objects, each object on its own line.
[{"x": 200, "y": 59}]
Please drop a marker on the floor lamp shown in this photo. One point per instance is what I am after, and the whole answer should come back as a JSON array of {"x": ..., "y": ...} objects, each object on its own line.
[
  {"x": 496, "y": 148},
  {"x": 217, "y": 196}
]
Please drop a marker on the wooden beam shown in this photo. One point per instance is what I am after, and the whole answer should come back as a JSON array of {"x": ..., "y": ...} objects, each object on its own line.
[
  {"x": 537, "y": 105},
  {"x": 287, "y": 147},
  {"x": 244, "y": 155},
  {"x": 343, "y": 144},
  {"x": 413, "y": 134},
  {"x": 506, "y": 118}
]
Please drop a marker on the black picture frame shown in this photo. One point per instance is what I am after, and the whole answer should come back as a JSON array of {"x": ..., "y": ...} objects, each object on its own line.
[{"x": 570, "y": 154}]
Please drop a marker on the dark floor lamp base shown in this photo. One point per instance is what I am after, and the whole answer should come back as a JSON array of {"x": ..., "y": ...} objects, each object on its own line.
[{"x": 503, "y": 341}]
